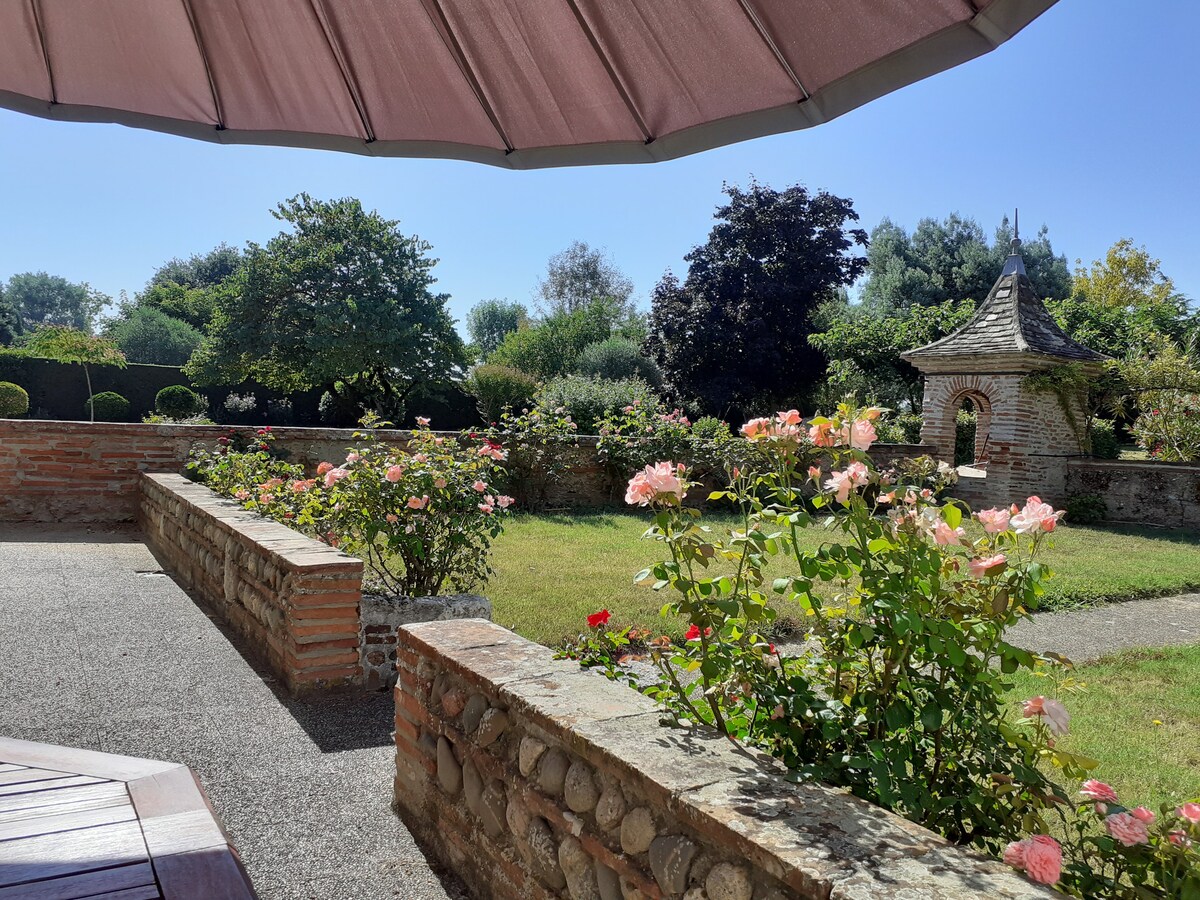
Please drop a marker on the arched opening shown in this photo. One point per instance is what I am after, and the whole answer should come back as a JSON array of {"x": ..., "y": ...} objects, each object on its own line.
[{"x": 972, "y": 418}]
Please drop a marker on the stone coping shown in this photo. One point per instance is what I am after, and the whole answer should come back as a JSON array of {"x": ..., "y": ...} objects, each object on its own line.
[
  {"x": 706, "y": 795},
  {"x": 1144, "y": 464}
]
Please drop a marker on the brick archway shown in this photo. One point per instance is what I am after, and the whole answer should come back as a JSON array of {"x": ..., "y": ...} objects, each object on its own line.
[{"x": 982, "y": 404}]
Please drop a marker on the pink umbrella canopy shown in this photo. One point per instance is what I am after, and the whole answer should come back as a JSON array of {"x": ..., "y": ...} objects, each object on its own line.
[{"x": 515, "y": 83}]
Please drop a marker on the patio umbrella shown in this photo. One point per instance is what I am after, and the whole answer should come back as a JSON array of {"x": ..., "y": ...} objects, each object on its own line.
[{"x": 516, "y": 83}]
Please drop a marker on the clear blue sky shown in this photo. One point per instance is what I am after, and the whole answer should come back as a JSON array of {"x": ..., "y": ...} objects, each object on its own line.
[{"x": 1089, "y": 121}]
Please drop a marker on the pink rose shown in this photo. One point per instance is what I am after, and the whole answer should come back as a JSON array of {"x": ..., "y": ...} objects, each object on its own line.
[
  {"x": 1143, "y": 815},
  {"x": 1035, "y": 516},
  {"x": 1097, "y": 790},
  {"x": 1014, "y": 854},
  {"x": 860, "y": 434},
  {"x": 1127, "y": 829},
  {"x": 241, "y": 494},
  {"x": 639, "y": 491},
  {"x": 814, "y": 472},
  {"x": 664, "y": 477},
  {"x": 392, "y": 518},
  {"x": 394, "y": 473},
  {"x": 504, "y": 501},
  {"x": 791, "y": 417},
  {"x": 439, "y": 483},
  {"x": 299, "y": 487},
  {"x": 757, "y": 428},
  {"x": 1189, "y": 811},
  {"x": 333, "y": 476},
  {"x": 422, "y": 421},
  {"x": 993, "y": 520},
  {"x": 1052, "y": 711},
  {"x": 352, "y": 458},
  {"x": 991, "y": 565},
  {"x": 1179, "y": 839},
  {"x": 488, "y": 505},
  {"x": 821, "y": 435},
  {"x": 479, "y": 486},
  {"x": 841, "y": 483},
  {"x": 324, "y": 467},
  {"x": 945, "y": 536},
  {"x": 417, "y": 502},
  {"x": 1043, "y": 859}
]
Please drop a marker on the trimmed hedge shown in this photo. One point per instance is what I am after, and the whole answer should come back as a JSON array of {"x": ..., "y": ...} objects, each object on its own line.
[
  {"x": 109, "y": 406},
  {"x": 177, "y": 401},
  {"x": 14, "y": 401}
]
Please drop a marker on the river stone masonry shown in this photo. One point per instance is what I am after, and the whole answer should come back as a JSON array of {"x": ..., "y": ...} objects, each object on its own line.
[{"x": 535, "y": 779}]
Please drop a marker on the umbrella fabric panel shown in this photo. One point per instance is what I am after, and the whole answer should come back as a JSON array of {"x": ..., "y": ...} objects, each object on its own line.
[{"x": 22, "y": 65}]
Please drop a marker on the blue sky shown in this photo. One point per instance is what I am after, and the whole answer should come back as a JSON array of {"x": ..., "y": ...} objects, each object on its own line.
[{"x": 1089, "y": 121}]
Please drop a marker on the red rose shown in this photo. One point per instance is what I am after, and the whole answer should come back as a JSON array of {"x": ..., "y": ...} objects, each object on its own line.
[
  {"x": 599, "y": 618},
  {"x": 693, "y": 633}
]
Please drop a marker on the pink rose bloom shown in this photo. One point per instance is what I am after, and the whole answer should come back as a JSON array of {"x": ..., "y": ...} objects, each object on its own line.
[
  {"x": 757, "y": 428},
  {"x": 841, "y": 483},
  {"x": 945, "y": 536},
  {"x": 1143, "y": 815},
  {"x": 392, "y": 518},
  {"x": 1035, "y": 516},
  {"x": 479, "y": 486},
  {"x": 993, "y": 520},
  {"x": 664, "y": 478},
  {"x": 352, "y": 458},
  {"x": 324, "y": 467},
  {"x": 791, "y": 417},
  {"x": 1098, "y": 790},
  {"x": 417, "y": 502},
  {"x": 394, "y": 473},
  {"x": 1179, "y": 839},
  {"x": 495, "y": 453},
  {"x": 241, "y": 494},
  {"x": 333, "y": 476},
  {"x": 871, "y": 413},
  {"x": 1043, "y": 859},
  {"x": 991, "y": 565},
  {"x": 265, "y": 498},
  {"x": 860, "y": 434},
  {"x": 439, "y": 483},
  {"x": 422, "y": 421},
  {"x": 814, "y": 472},
  {"x": 1052, "y": 711},
  {"x": 1014, "y": 854},
  {"x": 639, "y": 492},
  {"x": 1189, "y": 811},
  {"x": 1127, "y": 829},
  {"x": 821, "y": 435},
  {"x": 420, "y": 458},
  {"x": 299, "y": 487},
  {"x": 504, "y": 501}
]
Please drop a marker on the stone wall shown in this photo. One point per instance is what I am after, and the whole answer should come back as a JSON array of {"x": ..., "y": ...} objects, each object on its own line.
[
  {"x": 1148, "y": 493},
  {"x": 293, "y": 599},
  {"x": 382, "y": 616},
  {"x": 534, "y": 779}
]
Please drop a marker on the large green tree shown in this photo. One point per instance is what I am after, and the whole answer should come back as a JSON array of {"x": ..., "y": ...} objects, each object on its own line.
[
  {"x": 490, "y": 321},
  {"x": 551, "y": 346},
  {"x": 200, "y": 270},
  {"x": 43, "y": 299},
  {"x": 11, "y": 326},
  {"x": 341, "y": 297},
  {"x": 733, "y": 335},
  {"x": 579, "y": 275},
  {"x": 951, "y": 259},
  {"x": 148, "y": 335}
]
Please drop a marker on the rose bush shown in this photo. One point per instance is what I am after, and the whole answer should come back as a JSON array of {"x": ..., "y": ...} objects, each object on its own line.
[
  {"x": 644, "y": 432},
  {"x": 897, "y": 688}
]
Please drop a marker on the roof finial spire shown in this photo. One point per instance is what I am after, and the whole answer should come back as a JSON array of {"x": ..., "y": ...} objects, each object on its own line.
[{"x": 1014, "y": 265}]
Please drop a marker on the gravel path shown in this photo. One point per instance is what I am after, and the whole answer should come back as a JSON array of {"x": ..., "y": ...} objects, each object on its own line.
[{"x": 98, "y": 655}]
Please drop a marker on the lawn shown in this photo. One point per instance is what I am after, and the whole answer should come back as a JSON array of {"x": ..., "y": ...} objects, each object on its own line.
[
  {"x": 552, "y": 570},
  {"x": 1139, "y": 715}
]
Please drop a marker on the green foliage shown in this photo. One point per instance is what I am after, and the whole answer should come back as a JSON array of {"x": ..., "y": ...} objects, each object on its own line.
[
  {"x": 496, "y": 388},
  {"x": 899, "y": 428},
  {"x": 193, "y": 305},
  {"x": 1166, "y": 383},
  {"x": 642, "y": 433},
  {"x": 11, "y": 326},
  {"x": 541, "y": 446},
  {"x": 178, "y": 401},
  {"x": 617, "y": 359},
  {"x": 42, "y": 299},
  {"x": 200, "y": 270},
  {"x": 1104, "y": 439},
  {"x": 108, "y": 406},
  {"x": 966, "y": 423},
  {"x": 863, "y": 345},
  {"x": 588, "y": 400},
  {"x": 490, "y": 321},
  {"x": 14, "y": 401},
  {"x": 343, "y": 295},
  {"x": 734, "y": 333},
  {"x": 337, "y": 409},
  {"x": 951, "y": 260},
  {"x": 580, "y": 275},
  {"x": 1082, "y": 391},
  {"x": 1086, "y": 509},
  {"x": 148, "y": 335},
  {"x": 68, "y": 345},
  {"x": 551, "y": 347}
]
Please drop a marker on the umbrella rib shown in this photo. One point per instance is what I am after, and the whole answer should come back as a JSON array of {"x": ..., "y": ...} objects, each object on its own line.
[
  {"x": 765, "y": 35},
  {"x": 343, "y": 62},
  {"x": 36, "y": 6},
  {"x": 212, "y": 83},
  {"x": 612, "y": 72},
  {"x": 460, "y": 58}
]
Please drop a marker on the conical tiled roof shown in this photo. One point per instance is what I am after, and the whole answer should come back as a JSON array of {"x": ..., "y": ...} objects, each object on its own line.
[{"x": 1011, "y": 320}]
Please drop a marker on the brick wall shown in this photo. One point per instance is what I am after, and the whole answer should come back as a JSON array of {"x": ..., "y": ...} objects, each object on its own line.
[
  {"x": 534, "y": 779},
  {"x": 293, "y": 599},
  {"x": 1148, "y": 493}
]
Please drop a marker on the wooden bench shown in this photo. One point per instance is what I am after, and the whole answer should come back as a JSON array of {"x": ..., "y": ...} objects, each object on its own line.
[{"x": 77, "y": 823}]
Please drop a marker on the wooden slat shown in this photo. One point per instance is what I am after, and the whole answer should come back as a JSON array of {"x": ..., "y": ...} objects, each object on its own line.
[
  {"x": 69, "y": 820},
  {"x": 27, "y": 774},
  {"x": 55, "y": 855},
  {"x": 212, "y": 874},
  {"x": 8, "y": 790},
  {"x": 78, "y": 797},
  {"x": 109, "y": 884},
  {"x": 85, "y": 762},
  {"x": 10, "y": 767}
]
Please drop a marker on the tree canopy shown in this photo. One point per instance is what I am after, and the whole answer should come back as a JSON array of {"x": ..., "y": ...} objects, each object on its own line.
[
  {"x": 552, "y": 346},
  {"x": 579, "y": 275},
  {"x": 733, "y": 335},
  {"x": 11, "y": 326},
  {"x": 490, "y": 321},
  {"x": 200, "y": 270},
  {"x": 148, "y": 335},
  {"x": 43, "y": 299},
  {"x": 343, "y": 296}
]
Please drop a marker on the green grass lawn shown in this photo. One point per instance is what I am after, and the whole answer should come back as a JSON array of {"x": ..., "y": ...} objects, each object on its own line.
[
  {"x": 1139, "y": 715},
  {"x": 552, "y": 570}
]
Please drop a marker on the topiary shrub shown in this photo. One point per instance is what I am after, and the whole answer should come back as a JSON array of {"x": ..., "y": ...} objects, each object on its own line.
[
  {"x": 108, "y": 406},
  {"x": 588, "y": 400},
  {"x": 1086, "y": 509},
  {"x": 495, "y": 387},
  {"x": 618, "y": 359},
  {"x": 179, "y": 402},
  {"x": 1104, "y": 439},
  {"x": 14, "y": 401}
]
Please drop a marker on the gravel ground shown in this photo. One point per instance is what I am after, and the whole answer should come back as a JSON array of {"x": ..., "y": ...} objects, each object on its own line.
[{"x": 102, "y": 652}]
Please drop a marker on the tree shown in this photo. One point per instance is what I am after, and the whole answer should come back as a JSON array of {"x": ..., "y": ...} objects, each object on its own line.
[
  {"x": 11, "y": 326},
  {"x": 200, "y": 270},
  {"x": 579, "y": 275},
  {"x": 551, "y": 347},
  {"x": 193, "y": 305},
  {"x": 148, "y": 335},
  {"x": 864, "y": 344},
  {"x": 952, "y": 260},
  {"x": 490, "y": 321},
  {"x": 69, "y": 345},
  {"x": 43, "y": 299},
  {"x": 1127, "y": 278},
  {"x": 343, "y": 297},
  {"x": 733, "y": 336}
]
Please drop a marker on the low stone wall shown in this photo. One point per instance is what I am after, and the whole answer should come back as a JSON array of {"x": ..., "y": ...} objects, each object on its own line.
[
  {"x": 534, "y": 779},
  {"x": 294, "y": 599},
  {"x": 382, "y": 616},
  {"x": 1147, "y": 493}
]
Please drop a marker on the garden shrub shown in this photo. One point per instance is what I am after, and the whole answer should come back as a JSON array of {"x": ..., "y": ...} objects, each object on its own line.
[
  {"x": 179, "y": 402},
  {"x": 14, "y": 401},
  {"x": 588, "y": 400},
  {"x": 337, "y": 409},
  {"x": 108, "y": 406},
  {"x": 644, "y": 431},
  {"x": 965, "y": 423},
  {"x": 496, "y": 388},
  {"x": 239, "y": 408},
  {"x": 897, "y": 690},
  {"x": 618, "y": 359},
  {"x": 281, "y": 412},
  {"x": 542, "y": 444},
  {"x": 904, "y": 428},
  {"x": 1104, "y": 439},
  {"x": 1086, "y": 509},
  {"x": 1169, "y": 426}
]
